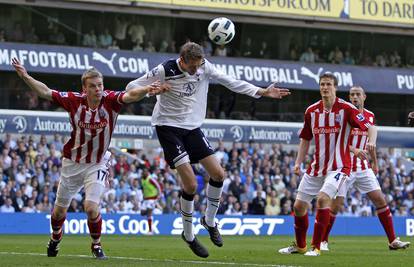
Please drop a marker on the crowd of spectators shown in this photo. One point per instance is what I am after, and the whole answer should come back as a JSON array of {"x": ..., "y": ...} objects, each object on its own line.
[{"x": 259, "y": 180}]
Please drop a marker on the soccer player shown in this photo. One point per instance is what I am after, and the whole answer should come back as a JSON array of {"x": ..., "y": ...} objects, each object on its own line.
[
  {"x": 93, "y": 114},
  {"x": 178, "y": 115},
  {"x": 152, "y": 191},
  {"x": 363, "y": 177},
  {"x": 329, "y": 123}
]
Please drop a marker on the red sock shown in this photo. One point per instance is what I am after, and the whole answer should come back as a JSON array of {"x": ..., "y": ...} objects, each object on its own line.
[
  {"x": 385, "y": 217},
  {"x": 332, "y": 218},
  {"x": 321, "y": 222},
  {"x": 57, "y": 228},
  {"x": 95, "y": 228},
  {"x": 301, "y": 227},
  {"x": 150, "y": 224}
]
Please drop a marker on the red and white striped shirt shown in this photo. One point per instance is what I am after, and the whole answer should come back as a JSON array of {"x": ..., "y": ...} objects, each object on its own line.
[
  {"x": 359, "y": 139},
  {"x": 331, "y": 132},
  {"x": 91, "y": 128}
]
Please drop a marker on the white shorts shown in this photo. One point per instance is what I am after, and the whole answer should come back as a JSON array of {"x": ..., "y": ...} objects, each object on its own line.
[
  {"x": 364, "y": 181},
  {"x": 76, "y": 175},
  {"x": 149, "y": 204},
  {"x": 333, "y": 184}
]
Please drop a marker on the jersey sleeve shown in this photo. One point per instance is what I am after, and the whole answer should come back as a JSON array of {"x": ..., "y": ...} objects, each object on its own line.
[
  {"x": 357, "y": 119},
  {"x": 238, "y": 86},
  {"x": 156, "y": 74},
  {"x": 66, "y": 100},
  {"x": 306, "y": 131},
  {"x": 115, "y": 99}
]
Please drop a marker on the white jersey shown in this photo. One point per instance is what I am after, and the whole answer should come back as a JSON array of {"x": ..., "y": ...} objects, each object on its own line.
[{"x": 184, "y": 106}]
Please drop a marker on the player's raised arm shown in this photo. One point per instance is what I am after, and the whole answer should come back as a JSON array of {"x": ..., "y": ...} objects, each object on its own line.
[
  {"x": 137, "y": 93},
  {"x": 40, "y": 88}
]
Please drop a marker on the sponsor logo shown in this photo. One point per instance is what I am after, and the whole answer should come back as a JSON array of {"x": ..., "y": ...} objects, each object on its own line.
[
  {"x": 121, "y": 128},
  {"x": 125, "y": 225},
  {"x": 325, "y": 130},
  {"x": 356, "y": 131},
  {"x": 235, "y": 226},
  {"x": 109, "y": 62},
  {"x": 269, "y": 135},
  {"x": 42, "y": 125},
  {"x": 93, "y": 125},
  {"x": 344, "y": 78},
  {"x": 237, "y": 132},
  {"x": 63, "y": 94},
  {"x": 214, "y": 133},
  {"x": 20, "y": 123}
]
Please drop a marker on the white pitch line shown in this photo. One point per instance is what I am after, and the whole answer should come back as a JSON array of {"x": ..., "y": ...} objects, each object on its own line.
[{"x": 153, "y": 260}]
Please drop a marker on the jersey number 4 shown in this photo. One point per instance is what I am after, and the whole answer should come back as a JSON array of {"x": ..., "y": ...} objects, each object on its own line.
[{"x": 337, "y": 177}]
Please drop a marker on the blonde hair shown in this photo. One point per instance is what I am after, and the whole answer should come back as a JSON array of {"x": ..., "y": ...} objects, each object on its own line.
[{"x": 91, "y": 73}]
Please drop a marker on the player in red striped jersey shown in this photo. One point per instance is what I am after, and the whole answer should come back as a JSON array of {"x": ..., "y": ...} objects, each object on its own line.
[
  {"x": 363, "y": 177},
  {"x": 93, "y": 114},
  {"x": 329, "y": 123}
]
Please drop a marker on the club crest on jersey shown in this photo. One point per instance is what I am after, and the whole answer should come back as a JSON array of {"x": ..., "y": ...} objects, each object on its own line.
[
  {"x": 189, "y": 89},
  {"x": 152, "y": 73},
  {"x": 360, "y": 117},
  {"x": 338, "y": 118}
]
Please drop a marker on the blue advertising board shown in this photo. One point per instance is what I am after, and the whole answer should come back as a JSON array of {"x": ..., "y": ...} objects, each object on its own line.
[
  {"x": 171, "y": 224},
  {"x": 139, "y": 127},
  {"x": 132, "y": 64}
]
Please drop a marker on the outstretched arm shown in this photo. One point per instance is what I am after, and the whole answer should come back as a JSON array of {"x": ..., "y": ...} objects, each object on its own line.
[
  {"x": 40, "y": 88},
  {"x": 273, "y": 92},
  {"x": 137, "y": 93}
]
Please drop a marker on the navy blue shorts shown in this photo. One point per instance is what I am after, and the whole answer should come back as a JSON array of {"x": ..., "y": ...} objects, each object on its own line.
[{"x": 182, "y": 146}]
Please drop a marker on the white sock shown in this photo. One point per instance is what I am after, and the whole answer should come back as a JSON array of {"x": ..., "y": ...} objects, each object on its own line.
[
  {"x": 213, "y": 201},
  {"x": 187, "y": 207}
]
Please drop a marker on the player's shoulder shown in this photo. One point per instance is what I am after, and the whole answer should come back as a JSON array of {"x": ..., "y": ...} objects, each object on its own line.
[
  {"x": 369, "y": 112},
  {"x": 345, "y": 104},
  {"x": 313, "y": 107},
  {"x": 171, "y": 68}
]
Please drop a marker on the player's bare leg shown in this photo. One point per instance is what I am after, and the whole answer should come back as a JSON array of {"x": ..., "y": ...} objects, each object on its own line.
[
  {"x": 213, "y": 192},
  {"x": 95, "y": 228},
  {"x": 301, "y": 225},
  {"x": 189, "y": 186},
  {"x": 385, "y": 218},
  {"x": 57, "y": 219},
  {"x": 334, "y": 209}
]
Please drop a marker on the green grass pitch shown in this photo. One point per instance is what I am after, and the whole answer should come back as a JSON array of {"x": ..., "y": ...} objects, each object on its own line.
[{"x": 24, "y": 250}]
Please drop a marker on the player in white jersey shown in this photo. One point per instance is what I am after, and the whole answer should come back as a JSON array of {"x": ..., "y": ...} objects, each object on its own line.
[
  {"x": 177, "y": 117},
  {"x": 93, "y": 114},
  {"x": 329, "y": 123},
  {"x": 363, "y": 177}
]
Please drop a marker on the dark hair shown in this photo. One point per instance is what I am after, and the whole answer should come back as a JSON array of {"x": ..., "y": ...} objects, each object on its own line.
[
  {"x": 329, "y": 76},
  {"x": 191, "y": 51}
]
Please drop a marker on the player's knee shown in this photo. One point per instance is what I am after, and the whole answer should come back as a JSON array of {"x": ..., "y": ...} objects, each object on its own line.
[
  {"x": 299, "y": 208},
  {"x": 323, "y": 200},
  {"x": 190, "y": 188},
  {"x": 218, "y": 176},
  {"x": 91, "y": 210},
  {"x": 59, "y": 212}
]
